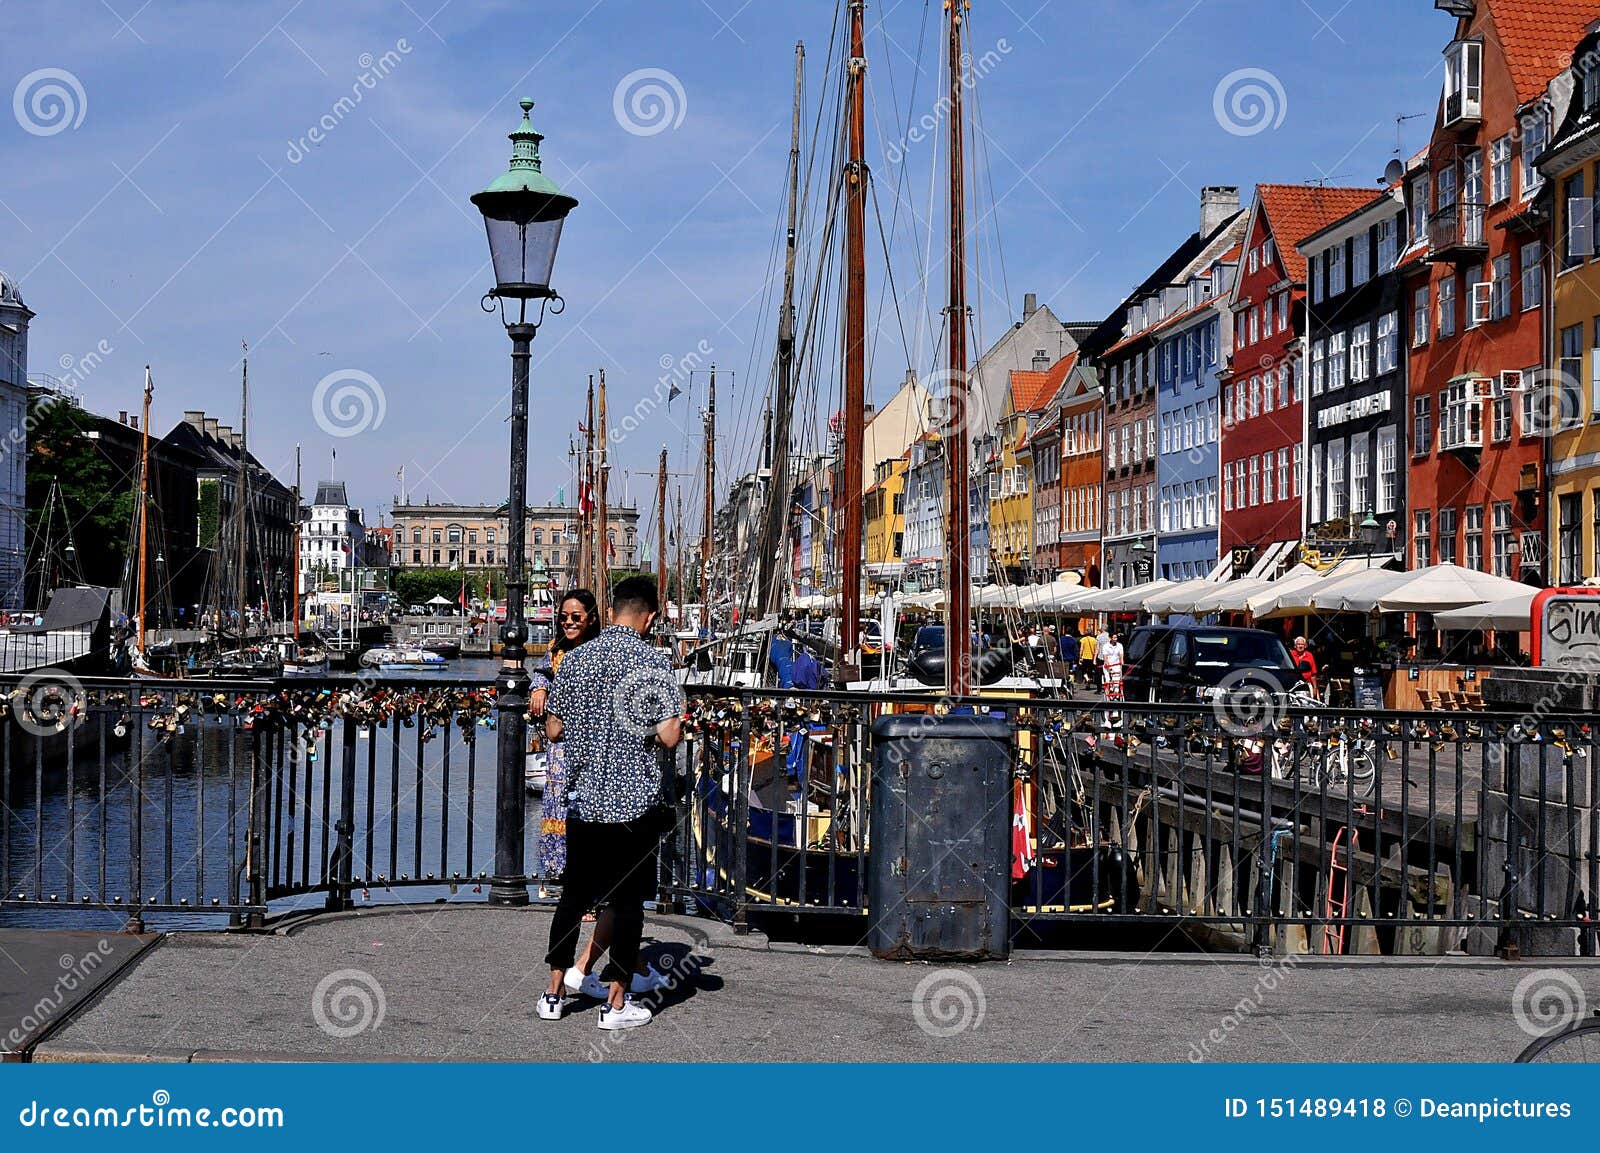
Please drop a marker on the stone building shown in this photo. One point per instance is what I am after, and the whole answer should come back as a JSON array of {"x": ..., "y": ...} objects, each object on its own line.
[{"x": 472, "y": 537}]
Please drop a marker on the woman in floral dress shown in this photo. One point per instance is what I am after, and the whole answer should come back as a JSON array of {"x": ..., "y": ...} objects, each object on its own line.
[{"x": 577, "y": 620}]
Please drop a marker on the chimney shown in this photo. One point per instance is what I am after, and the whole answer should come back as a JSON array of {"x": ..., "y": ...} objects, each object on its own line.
[
  {"x": 1041, "y": 361},
  {"x": 1218, "y": 202},
  {"x": 133, "y": 422},
  {"x": 210, "y": 426},
  {"x": 122, "y": 416},
  {"x": 1030, "y": 304},
  {"x": 224, "y": 433},
  {"x": 195, "y": 418}
]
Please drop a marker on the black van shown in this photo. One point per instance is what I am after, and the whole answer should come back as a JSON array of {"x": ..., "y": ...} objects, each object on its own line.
[{"x": 1187, "y": 663}]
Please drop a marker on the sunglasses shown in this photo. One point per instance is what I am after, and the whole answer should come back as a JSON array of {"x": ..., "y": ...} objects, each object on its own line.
[{"x": 574, "y": 618}]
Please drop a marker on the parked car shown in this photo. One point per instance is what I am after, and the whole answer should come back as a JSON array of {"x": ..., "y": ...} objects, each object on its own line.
[
  {"x": 926, "y": 660},
  {"x": 1188, "y": 663}
]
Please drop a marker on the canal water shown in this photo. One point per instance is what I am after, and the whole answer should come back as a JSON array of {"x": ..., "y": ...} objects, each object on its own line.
[{"x": 425, "y": 807}]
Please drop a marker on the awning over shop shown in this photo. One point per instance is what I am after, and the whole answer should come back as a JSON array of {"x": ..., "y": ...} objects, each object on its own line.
[
  {"x": 1229, "y": 596},
  {"x": 1290, "y": 594},
  {"x": 1274, "y": 555}
]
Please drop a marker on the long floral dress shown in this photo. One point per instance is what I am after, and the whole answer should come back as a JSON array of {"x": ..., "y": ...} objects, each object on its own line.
[{"x": 553, "y": 805}]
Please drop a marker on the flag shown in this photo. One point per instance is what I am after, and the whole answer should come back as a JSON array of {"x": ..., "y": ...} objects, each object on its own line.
[
  {"x": 463, "y": 600},
  {"x": 585, "y": 499},
  {"x": 1022, "y": 859},
  {"x": 674, "y": 394}
]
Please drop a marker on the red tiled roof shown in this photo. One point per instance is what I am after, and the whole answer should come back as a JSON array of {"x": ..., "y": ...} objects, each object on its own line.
[
  {"x": 1232, "y": 254},
  {"x": 1295, "y": 211},
  {"x": 1031, "y": 391},
  {"x": 1537, "y": 38}
]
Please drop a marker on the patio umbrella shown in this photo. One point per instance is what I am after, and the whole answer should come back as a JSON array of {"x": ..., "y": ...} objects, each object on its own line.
[
  {"x": 1229, "y": 596},
  {"x": 1355, "y": 592},
  {"x": 1436, "y": 588},
  {"x": 1119, "y": 600},
  {"x": 1512, "y": 614},
  {"x": 1179, "y": 598}
]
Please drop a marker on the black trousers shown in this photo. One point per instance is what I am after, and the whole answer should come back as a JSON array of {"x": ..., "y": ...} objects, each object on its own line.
[{"x": 612, "y": 864}]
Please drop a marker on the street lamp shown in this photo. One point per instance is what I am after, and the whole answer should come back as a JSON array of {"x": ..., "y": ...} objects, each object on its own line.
[
  {"x": 1371, "y": 530},
  {"x": 523, "y": 212}
]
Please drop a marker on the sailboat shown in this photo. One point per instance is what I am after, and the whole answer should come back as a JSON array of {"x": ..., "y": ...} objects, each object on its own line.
[{"x": 806, "y": 782}]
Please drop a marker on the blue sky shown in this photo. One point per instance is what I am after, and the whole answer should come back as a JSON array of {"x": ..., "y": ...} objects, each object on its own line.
[{"x": 180, "y": 207}]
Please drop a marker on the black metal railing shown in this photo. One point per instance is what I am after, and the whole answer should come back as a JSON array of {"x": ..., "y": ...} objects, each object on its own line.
[
  {"x": 1249, "y": 821},
  {"x": 1253, "y": 821},
  {"x": 189, "y": 801}
]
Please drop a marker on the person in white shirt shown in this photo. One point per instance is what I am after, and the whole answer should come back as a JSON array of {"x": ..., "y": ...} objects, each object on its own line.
[{"x": 1111, "y": 658}]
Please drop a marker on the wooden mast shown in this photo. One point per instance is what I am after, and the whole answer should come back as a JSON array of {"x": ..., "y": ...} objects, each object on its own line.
[
  {"x": 958, "y": 628},
  {"x": 601, "y": 540},
  {"x": 769, "y": 587},
  {"x": 295, "y": 607},
  {"x": 848, "y": 486},
  {"x": 144, "y": 498},
  {"x": 586, "y": 495},
  {"x": 711, "y": 498},
  {"x": 241, "y": 493},
  {"x": 677, "y": 521},
  {"x": 661, "y": 534}
]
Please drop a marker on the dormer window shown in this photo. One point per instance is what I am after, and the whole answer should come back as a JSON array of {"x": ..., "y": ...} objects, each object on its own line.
[
  {"x": 1463, "y": 82},
  {"x": 1591, "y": 88}
]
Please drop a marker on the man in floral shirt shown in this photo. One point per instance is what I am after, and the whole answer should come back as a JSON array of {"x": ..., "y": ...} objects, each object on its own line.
[{"x": 615, "y": 702}]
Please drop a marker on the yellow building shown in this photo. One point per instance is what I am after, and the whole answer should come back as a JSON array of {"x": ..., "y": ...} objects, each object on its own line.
[
  {"x": 1011, "y": 480},
  {"x": 1572, "y": 272},
  {"x": 884, "y": 520}
]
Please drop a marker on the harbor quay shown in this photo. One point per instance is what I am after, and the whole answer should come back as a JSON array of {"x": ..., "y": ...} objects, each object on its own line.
[{"x": 458, "y": 982}]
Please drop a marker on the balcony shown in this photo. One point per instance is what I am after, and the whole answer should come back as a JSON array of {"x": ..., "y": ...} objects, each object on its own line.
[{"x": 1455, "y": 234}]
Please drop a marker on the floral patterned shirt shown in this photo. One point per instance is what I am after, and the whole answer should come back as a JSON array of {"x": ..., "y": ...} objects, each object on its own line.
[{"x": 610, "y": 694}]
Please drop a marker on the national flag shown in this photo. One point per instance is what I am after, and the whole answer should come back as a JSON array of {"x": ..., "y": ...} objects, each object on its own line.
[
  {"x": 674, "y": 394},
  {"x": 1022, "y": 859},
  {"x": 463, "y": 598}
]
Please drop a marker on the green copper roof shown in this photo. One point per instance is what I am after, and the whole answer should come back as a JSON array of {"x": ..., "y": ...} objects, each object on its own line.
[{"x": 526, "y": 176}]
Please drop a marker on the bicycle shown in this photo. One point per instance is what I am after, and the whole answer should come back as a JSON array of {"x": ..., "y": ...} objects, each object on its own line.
[
  {"x": 1575, "y": 1045},
  {"x": 1331, "y": 760}
]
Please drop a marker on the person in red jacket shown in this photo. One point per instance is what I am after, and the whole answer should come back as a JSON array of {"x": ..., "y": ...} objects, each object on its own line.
[{"x": 1306, "y": 661}]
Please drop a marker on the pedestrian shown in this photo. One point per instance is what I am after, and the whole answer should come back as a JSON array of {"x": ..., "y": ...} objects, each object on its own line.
[
  {"x": 1111, "y": 658},
  {"x": 1306, "y": 661},
  {"x": 615, "y": 702},
  {"x": 1102, "y": 642},
  {"x": 578, "y": 619},
  {"x": 1088, "y": 650}
]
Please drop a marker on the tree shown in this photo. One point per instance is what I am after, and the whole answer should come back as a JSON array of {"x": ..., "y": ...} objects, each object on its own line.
[
  {"x": 419, "y": 585},
  {"x": 99, "y": 499}
]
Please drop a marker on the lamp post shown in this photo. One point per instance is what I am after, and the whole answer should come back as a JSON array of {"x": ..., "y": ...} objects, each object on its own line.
[
  {"x": 1371, "y": 530},
  {"x": 523, "y": 212}
]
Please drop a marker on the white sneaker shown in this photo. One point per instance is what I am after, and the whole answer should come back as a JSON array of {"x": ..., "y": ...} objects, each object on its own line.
[
  {"x": 630, "y": 1016},
  {"x": 648, "y": 981},
  {"x": 549, "y": 1007}
]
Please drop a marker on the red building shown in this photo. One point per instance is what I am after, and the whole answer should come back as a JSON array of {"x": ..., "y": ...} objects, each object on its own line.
[
  {"x": 1263, "y": 384},
  {"x": 1476, "y": 290}
]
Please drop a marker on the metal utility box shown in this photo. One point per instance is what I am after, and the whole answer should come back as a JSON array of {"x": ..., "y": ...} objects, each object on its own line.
[{"x": 939, "y": 876}]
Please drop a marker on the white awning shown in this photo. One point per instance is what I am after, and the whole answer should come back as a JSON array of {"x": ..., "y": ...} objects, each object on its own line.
[
  {"x": 1274, "y": 555},
  {"x": 1229, "y": 596},
  {"x": 1121, "y": 600},
  {"x": 1179, "y": 598}
]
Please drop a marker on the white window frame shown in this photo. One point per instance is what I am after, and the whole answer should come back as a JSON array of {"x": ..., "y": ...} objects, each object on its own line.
[
  {"x": 1532, "y": 258},
  {"x": 1388, "y": 469},
  {"x": 1421, "y": 315},
  {"x": 1388, "y": 344},
  {"x": 1336, "y": 361}
]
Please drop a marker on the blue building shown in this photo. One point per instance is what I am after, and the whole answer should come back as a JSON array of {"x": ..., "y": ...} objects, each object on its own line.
[
  {"x": 924, "y": 509},
  {"x": 1189, "y": 356}
]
